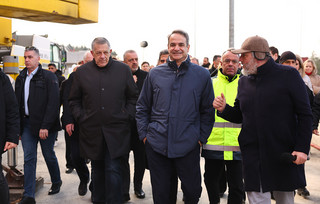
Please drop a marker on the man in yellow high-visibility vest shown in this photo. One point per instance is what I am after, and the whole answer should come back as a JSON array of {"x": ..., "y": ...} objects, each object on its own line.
[{"x": 222, "y": 148}]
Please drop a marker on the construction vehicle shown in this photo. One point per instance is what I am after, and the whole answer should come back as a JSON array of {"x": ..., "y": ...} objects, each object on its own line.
[
  {"x": 12, "y": 60},
  {"x": 50, "y": 52},
  {"x": 12, "y": 50}
]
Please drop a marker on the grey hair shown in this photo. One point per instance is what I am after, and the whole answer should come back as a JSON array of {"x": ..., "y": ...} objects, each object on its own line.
[
  {"x": 86, "y": 54},
  {"x": 100, "y": 41},
  {"x": 126, "y": 52},
  {"x": 32, "y": 48}
]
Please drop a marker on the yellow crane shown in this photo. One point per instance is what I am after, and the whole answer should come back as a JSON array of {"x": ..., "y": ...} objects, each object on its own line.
[{"x": 58, "y": 11}]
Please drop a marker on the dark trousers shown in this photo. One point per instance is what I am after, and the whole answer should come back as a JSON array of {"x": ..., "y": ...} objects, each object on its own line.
[
  {"x": 107, "y": 180},
  {"x": 4, "y": 190},
  {"x": 163, "y": 170},
  {"x": 173, "y": 188},
  {"x": 126, "y": 178},
  {"x": 214, "y": 170},
  {"x": 139, "y": 154},
  {"x": 67, "y": 139},
  {"x": 223, "y": 182},
  {"x": 78, "y": 162}
]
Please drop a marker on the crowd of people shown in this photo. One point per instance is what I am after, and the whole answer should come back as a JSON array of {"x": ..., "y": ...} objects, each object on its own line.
[{"x": 250, "y": 114}]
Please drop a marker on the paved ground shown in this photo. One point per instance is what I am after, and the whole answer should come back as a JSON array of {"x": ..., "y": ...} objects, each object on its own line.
[{"x": 69, "y": 193}]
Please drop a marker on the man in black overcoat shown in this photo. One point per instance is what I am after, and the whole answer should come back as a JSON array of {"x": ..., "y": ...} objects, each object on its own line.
[
  {"x": 130, "y": 57},
  {"x": 72, "y": 136},
  {"x": 102, "y": 100},
  {"x": 273, "y": 106}
]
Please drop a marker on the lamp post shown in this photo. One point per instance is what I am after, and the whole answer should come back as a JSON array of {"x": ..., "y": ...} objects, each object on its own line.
[{"x": 231, "y": 23}]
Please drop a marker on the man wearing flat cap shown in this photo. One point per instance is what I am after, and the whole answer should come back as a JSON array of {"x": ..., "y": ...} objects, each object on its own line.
[{"x": 273, "y": 106}]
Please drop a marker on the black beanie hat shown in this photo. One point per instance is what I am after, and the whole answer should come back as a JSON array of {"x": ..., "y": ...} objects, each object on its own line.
[{"x": 286, "y": 56}]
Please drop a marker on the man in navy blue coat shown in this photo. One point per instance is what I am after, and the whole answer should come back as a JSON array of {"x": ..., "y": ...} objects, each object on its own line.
[
  {"x": 174, "y": 117},
  {"x": 273, "y": 106}
]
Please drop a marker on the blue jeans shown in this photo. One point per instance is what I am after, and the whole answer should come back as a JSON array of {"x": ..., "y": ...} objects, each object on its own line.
[
  {"x": 4, "y": 190},
  {"x": 107, "y": 180},
  {"x": 29, "y": 145}
]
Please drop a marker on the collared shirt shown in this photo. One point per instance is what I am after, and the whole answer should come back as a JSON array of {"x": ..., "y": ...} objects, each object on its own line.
[{"x": 26, "y": 89}]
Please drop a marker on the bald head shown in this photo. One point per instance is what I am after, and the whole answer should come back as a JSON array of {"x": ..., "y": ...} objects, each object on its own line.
[
  {"x": 87, "y": 57},
  {"x": 229, "y": 63}
]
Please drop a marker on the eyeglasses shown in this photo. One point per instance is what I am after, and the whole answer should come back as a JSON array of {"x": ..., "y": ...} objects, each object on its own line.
[{"x": 227, "y": 61}]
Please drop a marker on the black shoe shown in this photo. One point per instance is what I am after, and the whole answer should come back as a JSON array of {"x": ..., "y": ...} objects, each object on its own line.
[
  {"x": 69, "y": 170},
  {"x": 55, "y": 188},
  {"x": 303, "y": 192},
  {"x": 82, "y": 189},
  {"x": 27, "y": 200},
  {"x": 140, "y": 194}
]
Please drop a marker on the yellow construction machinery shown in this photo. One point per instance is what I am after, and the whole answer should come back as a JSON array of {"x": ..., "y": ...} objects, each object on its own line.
[{"x": 58, "y": 11}]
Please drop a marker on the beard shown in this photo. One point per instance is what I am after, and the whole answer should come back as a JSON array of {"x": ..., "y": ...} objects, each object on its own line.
[{"x": 250, "y": 68}]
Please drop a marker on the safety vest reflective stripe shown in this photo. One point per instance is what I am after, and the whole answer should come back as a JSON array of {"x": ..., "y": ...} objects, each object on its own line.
[
  {"x": 221, "y": 148},
  {"x": 226, "y": 125}
]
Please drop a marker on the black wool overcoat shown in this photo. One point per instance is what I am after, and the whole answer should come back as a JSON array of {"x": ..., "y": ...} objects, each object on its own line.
[
  {"x": 274, "y": 109},
  {"x": 102, "y": 101}
]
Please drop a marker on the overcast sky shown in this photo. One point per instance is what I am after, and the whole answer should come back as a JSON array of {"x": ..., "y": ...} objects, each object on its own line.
[{"x": 286, "y": 24}]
